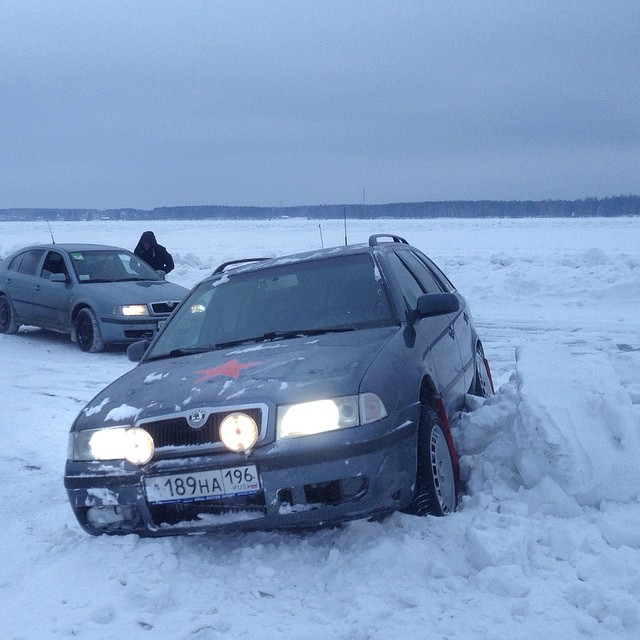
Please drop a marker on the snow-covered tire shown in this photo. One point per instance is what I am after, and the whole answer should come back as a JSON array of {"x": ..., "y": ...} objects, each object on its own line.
[
  {"x": 482, "y": 385},
  {"x": 87, "y": 329},
  {"x": 435, "y": 492},
  {"x": 8, "y": 322}
]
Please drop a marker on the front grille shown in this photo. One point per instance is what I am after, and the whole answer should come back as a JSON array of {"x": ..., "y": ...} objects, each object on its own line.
[
  {"x": 175, "y": 432},
  {"x": 163, "y": 308},
  {"x": 231, "y": 509},
  {"x": 332, "y": 492},
  {"x": 138, "y": 334}
]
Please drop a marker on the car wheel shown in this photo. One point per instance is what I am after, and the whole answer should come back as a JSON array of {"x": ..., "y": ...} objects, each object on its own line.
[
  {"x": 8, "y": 322},
  {"x": 435, "y": 478},
  {"x": 88, "y": 332},
  {"x": 482, "y": 384}
]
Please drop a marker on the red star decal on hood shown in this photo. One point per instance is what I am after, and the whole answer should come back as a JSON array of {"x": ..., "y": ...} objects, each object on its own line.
[{"x": 230, "y": 369}]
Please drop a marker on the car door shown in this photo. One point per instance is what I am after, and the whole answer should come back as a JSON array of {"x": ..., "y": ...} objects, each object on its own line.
[
  {"x": 52, "y": 300},
  {"x": 20, "y": 283},
  {"x": 431, "y": 276},
  {"x": 434, "y": 335}
]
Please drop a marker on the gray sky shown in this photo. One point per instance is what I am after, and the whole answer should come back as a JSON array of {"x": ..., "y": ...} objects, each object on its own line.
[{"x": 145, "y": 104}]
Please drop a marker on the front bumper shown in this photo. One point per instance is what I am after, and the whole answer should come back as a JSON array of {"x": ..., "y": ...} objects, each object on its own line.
[
  {"x": 130, "y": 329},
  {"x": 306, "y": 482}
]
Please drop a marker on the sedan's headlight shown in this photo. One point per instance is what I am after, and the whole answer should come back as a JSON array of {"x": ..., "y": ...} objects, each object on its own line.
[
  {"x": 131, "y": 310},
  {"x": 319, "y": 416},
  {"x": 115, "y": 443}
]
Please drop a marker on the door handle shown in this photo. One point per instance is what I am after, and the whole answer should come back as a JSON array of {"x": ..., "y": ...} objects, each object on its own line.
[{"x": 452, "y": 333}]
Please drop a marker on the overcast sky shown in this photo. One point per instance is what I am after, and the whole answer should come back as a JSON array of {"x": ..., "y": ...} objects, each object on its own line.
[{"x": 151, "y": 103}]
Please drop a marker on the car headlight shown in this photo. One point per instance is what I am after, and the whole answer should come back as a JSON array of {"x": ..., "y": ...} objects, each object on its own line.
[
  {"x": 114, "y": 443},
  {"x": 131, "y": 310},
  {"x": 319, "y": 416},
  {"x": 238, "y": 431}
]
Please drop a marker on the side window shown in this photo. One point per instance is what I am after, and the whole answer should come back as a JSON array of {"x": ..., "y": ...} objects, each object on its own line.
[
  {"x": 54, "y": 263},
  {"x": 30, "y": 261},
  {"x": 446, "y": 283},
  {"x": 411, "y": 288},
  {"x": 430, "y": 283},
  {"x": 14, "y": 265}
]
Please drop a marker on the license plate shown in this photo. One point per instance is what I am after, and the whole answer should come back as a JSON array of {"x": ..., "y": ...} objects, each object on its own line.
[
  {"x": 187, "y": 487},
  {"x": 161, "y": 324}
]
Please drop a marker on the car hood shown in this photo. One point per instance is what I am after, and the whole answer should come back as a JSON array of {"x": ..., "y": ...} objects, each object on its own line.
[
  {"x": 281, "y": 372},
  {"x": 137, "y": 290}
]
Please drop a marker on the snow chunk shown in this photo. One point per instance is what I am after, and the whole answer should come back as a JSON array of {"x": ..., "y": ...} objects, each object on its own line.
[
  {"x": 153, "y": 377},
  {"x": 89, "y": 411},
  {"x": 123, "y": 412}
]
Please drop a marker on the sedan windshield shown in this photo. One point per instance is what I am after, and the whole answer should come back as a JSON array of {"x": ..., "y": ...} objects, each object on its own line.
[
  {"x": 344, "y": 293},
  {"x": 110, "y": 266}
]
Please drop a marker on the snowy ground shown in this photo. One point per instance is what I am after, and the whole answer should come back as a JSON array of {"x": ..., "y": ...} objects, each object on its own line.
[{"x": 547, "y": 540}]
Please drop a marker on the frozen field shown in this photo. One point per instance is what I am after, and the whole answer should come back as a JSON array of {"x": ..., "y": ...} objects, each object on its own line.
[{"x": 546, "y": 542}]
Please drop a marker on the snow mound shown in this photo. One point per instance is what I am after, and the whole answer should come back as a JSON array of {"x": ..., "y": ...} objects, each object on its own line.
[{"x": 564, "y": 428}]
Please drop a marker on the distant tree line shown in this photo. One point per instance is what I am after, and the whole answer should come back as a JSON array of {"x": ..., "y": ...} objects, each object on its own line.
[{"x": 589, "y": 207}]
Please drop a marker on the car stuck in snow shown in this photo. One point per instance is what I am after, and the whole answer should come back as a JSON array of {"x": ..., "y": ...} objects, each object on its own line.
[{"x": 287, "y": 392}]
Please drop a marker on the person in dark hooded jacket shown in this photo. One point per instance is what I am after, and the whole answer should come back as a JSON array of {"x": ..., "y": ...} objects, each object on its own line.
[{"x": 154, "y": 254}]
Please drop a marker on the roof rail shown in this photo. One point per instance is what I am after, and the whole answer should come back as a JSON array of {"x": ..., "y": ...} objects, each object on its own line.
[
  {"x": 373, "y": 240},
  {"x": 231, "y": 263}
]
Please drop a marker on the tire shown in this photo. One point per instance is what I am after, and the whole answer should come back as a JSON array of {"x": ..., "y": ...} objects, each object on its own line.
[
  {"x": 482, "y": 384},
  {"x": 8, "y": 322},
  {"x": 88, "y": 332},
  {"x": 435, "y": 492}
]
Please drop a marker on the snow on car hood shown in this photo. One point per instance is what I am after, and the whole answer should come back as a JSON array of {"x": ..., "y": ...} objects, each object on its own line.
[{"x": 279, "y": 372}]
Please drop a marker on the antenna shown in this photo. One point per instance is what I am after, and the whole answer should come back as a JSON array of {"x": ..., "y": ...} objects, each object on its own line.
[
  {"x": 321, "y": 240},
  {"x": 51, "y": 232},
  {"x": 344, "y": 215}
]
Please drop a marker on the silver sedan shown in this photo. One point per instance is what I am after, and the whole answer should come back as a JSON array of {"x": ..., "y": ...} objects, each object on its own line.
[{"x": 97, "y": 294}]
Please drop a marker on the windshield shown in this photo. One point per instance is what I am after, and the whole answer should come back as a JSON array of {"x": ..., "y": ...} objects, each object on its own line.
[
  {"x": 301, "y": 298},
  {"x": 110, "y": 266}
]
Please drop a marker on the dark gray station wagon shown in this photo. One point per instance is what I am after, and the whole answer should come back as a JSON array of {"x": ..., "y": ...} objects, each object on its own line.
[{"x": 290, "y": 392}]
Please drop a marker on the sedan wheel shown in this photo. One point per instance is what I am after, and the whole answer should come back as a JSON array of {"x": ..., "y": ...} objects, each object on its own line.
[
  {"x": 435, "y": 479},
  {"x": 88, "y": 332},
  {"x": 8, "y": 322}
]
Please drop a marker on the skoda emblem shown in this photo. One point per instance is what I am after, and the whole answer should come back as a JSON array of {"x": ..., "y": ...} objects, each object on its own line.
[{"x": 197, "y": 418}]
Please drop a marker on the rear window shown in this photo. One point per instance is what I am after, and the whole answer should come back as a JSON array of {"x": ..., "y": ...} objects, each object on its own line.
[{"x": 27, "y": 262}]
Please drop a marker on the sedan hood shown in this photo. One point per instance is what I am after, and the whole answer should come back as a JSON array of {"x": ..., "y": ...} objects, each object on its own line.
[
  {"x": 280, "y": 372},
  {"x": 137, "y": 290}
]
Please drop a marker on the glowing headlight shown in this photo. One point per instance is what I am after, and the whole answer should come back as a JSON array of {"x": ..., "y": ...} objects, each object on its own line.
[
  {"x": 138, "y": 446},
  {"x": 319, "y": 416},
  {"x": 131, "y": 310},
  {"x": 238, "y": 432},
  {"x": 118, "y": 443}
]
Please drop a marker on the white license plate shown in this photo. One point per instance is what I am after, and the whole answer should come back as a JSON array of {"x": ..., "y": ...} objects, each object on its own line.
[{"x": 219, "y": 483}]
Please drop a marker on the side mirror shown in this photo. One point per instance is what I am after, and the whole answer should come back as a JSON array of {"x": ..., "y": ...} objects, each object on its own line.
[
  {"x": 437, "y": 304},
  {"x": 136, "y": 350},
  {"x": 161, "y": 273},
  {"x": 58, "y": 277}
]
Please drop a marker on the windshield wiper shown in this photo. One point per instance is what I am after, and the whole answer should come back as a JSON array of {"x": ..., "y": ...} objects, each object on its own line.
[
  {"x": 177, "y": 353},
  {"x": 272, "y": 336}
]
